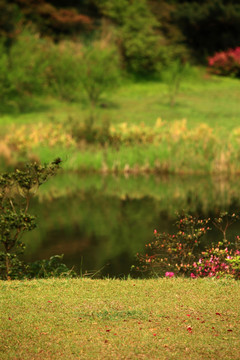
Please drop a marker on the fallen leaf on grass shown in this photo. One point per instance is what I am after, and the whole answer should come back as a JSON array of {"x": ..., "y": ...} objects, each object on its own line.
[{"x": 189, "y": 329}]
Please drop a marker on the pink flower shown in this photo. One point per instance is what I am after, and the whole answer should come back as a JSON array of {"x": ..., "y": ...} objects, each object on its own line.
[
  {"x": 193, "y": 276},
  {"x": 155, "y": 231},
  {"x": 169, "y": 274}
]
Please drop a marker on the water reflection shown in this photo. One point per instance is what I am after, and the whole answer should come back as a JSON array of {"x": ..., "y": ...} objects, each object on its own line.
[{"x": 105, "y": 221}]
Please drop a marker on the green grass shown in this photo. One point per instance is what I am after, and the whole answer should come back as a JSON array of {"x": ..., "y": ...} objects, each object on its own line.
[
  {"x": 120, "y": 319},
  {"x": 202, "y": 99},
  {"x": 212, "y": 100}
]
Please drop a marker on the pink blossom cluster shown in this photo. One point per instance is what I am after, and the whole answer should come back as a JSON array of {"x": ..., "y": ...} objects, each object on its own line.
[
  {"x": 213, "y": 265},
  {"x": 169, "y": 274},
  {"x": 225, "y": 62}
]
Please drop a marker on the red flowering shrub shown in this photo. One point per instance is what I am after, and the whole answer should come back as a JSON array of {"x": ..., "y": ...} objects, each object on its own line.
[
  {"x": 218, "y": 262},
  {"x": 179, "y": 254},
  {"x": 225, "y": 63},
  {"x": 174, "y": 254}
]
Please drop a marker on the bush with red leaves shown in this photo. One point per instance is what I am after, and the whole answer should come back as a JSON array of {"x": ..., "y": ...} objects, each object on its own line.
[{"x": 225, "y": 63}]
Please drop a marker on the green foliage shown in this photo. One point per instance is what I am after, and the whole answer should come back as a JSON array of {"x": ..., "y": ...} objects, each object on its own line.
[
  {"x": 113, "y": 9},
  {"x": 140, "y": 42},
  {"x": 100, "y": 70},
  {"x": 144, "y": 27},
  {"x": 64, "y": 70},
  {"x": 27, "y": 67},
  {"x": 16, "y": 190},
  {"x": 22, "y": 73},
  {"x": 49, "y": 268},
  {"x": 234, "y": 264},
  {"x": 137, "y": 34}
]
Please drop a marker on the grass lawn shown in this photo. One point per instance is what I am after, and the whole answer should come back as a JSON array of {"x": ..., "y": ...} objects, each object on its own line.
[
  {"x": 201, "y": 99},
  {"x": 120, "y": 319}
]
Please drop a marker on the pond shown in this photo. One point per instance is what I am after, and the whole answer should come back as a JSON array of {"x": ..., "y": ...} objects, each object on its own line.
[{"x": 100, "y": 222}]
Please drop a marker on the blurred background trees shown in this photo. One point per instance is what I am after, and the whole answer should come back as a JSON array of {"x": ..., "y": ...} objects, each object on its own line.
[
  {"x": 204, "y": 27},
  {"x": 47, "y": 46}
]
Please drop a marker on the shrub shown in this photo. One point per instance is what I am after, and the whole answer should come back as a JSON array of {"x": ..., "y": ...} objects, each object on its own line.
[
  {"x": 16, "y": 190},
  {"x": 217, "y": 262},
  {"x": 221, "y": 259},
  {"x": 225, "y": 63},
  {"x": 180, "y": 254},
  {"x": 52, "y": 267},
  {"x": 174, "y": 253}
]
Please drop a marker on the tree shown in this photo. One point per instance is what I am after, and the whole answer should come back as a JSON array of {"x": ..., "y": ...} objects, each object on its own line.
[
  {"x": 139, "y": 40},
  {"x": 99, "y": 70}
]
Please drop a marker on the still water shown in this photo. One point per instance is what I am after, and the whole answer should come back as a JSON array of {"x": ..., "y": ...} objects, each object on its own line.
[{"x": 100, "y": 222}]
